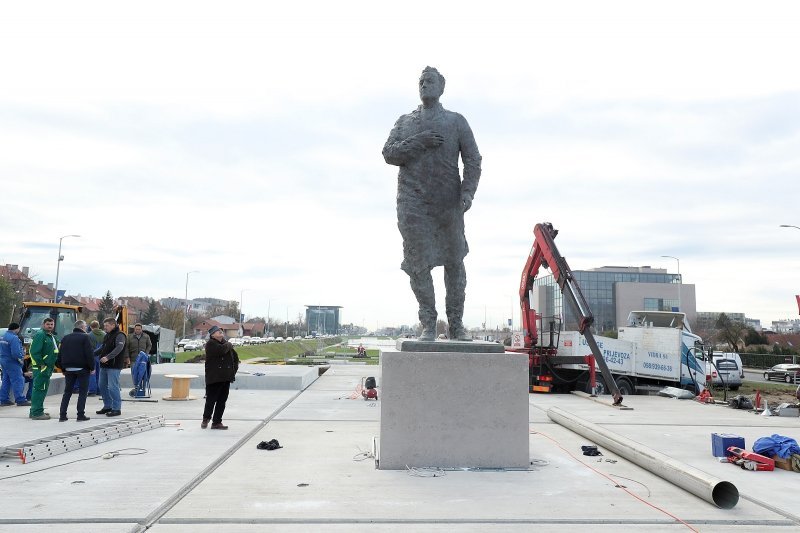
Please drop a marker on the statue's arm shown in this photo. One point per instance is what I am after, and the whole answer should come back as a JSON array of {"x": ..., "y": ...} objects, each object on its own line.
[
  {"x": 399, "y": 150},
  {"x": 471, "y": 158}
]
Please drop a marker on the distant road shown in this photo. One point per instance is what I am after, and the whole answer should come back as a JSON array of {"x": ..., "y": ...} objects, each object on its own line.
[{"x": 754, "y": 375}]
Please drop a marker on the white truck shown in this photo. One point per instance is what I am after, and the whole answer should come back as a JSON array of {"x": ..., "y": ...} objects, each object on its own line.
[{"x": 655, "y": 349}]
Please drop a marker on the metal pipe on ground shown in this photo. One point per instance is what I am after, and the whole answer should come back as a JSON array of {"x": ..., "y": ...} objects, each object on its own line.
[{"x": 721, "y": 493}]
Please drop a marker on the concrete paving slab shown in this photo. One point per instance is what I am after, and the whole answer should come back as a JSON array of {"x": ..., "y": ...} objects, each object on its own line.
[
  {"x": 74, "y": 487},
  {"x": 74, "y": 527},
  {"x": 682, "y": 429},
  {"x": 340, "y": 489},
  {"x": 242, "y": 405},
  {"x": 344, "y": 379},
  {"x": 561, "y": 526},
  {"x": 318, "y": 404},
  {"x": 196, "y": 480}
]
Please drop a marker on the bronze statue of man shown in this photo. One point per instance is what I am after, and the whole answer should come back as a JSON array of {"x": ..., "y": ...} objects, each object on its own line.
[{"x": 432, "y": 199}]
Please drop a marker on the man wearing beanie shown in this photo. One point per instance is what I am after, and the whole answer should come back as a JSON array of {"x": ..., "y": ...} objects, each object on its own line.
[
  {"x": 11, "y": 358},
  {"x": 222, "y": 362}
]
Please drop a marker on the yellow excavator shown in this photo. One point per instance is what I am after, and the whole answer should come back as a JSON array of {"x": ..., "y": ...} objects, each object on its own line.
[
  {"x": 33, "y": 313},
  {"x": 64, "y": 315}
]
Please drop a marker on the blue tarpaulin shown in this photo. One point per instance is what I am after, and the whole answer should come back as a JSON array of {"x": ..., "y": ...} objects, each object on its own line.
[{"x": 778, "y": 445}]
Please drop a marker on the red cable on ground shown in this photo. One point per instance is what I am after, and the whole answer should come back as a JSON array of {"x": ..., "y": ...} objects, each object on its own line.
[
  {"x": 615, "y": 483},
  {"x": 356, "y": 394}
]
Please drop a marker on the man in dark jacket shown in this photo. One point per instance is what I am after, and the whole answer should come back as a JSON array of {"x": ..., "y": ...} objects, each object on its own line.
[
  {"x": 77, "y": 361},
  {"x": 222, "y": 362},
  {"x": 112, "y": 360}
]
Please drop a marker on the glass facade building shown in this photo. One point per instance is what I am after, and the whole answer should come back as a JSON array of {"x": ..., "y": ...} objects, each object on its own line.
[
  {"x": 323, "y": 319},
  {"x": 601, "y": 288}
]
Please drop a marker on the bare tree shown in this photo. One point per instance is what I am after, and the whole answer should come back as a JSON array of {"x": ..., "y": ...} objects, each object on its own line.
[
  {"x": 730, "y": 331},
  {"x": 7, "y": 301},
  {"x": 172, "y": 319}
]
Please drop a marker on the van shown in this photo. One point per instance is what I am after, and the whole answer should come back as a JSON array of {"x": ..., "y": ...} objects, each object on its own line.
[{"x": 727, "y": 369}]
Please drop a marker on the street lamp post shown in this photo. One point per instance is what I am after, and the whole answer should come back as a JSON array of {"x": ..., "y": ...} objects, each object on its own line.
[
  {"x": 680, "y": 280},
  {"x": 269, "y": 306},
  {"x": 58, "y": 265},
  {"x": 794, "y": 357},
  {"x": 186, "y": 302},
  {"x": 241, "y": 308}
]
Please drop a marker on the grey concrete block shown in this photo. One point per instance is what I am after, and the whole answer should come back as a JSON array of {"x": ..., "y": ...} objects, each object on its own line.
[
  {"x": 56, "y": 385},
  {"x": 273, "y": 377},
  {"x": 413, "y": 345},
  {"x": 453, "y": 410}
]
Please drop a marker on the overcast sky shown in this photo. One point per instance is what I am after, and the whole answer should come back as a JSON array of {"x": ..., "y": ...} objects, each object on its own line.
[{"x": 243, "y": 140}]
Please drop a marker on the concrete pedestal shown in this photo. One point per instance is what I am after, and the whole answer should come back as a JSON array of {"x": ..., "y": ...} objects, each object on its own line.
[{"x": 453, "y": 410}]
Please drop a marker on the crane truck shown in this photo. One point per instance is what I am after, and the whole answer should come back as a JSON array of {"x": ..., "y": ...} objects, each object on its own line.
[{"x": 655, "y": 348}]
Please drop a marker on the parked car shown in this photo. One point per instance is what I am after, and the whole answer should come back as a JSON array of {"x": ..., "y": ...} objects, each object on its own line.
[
  {"x": 183, "y": 342},
  {"x": 192, "y": 345},
  {"x": 785, "y": 372},
  {"x": 298, "y": 338},
  {"x": 278, "y": 339}
]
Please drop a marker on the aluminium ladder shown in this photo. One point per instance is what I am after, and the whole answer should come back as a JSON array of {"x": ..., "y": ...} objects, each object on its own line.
[{"x": 38, "y": 449}]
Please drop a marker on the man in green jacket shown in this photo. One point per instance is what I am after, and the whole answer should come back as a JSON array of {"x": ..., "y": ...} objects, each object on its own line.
[{"x": 44, "y": 352}]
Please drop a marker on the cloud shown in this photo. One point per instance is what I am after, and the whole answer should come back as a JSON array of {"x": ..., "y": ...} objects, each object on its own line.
[{"x": 246, "y": 144}]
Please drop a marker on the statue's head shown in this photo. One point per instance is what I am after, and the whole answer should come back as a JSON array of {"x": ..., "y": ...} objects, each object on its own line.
[{"x": 431, "y": 84}]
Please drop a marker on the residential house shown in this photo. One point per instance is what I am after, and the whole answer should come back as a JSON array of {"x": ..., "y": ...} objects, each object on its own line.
[
  {"x": 137, "y": 307},
  {"x": 784, "y": 340},
  {"x": 91, "y": 306},
  {"x": 254, "y": 328},
  {"x": 230, "y": 330},
  {"x": 19, "y": 279},
  {"x": 42, "y": 293}
]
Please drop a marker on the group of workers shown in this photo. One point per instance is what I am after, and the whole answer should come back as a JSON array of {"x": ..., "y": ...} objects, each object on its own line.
[
  {"x": 89, "y": 354},
  {"x": 90, "y": 358}
]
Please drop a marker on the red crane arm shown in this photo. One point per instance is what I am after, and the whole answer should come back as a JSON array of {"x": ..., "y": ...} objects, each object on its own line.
[{"x": 544, "y": 253}]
